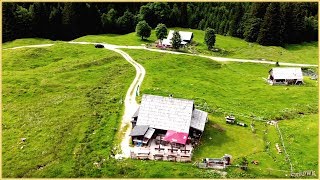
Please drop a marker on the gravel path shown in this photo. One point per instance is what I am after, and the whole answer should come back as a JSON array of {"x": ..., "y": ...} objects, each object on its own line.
[
  {"x": 220, "y": 59},
  {"x": 130, "y": 100}
]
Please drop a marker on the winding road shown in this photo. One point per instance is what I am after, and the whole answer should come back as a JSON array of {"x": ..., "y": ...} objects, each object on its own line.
[
  {"x": 130, "y": 100},
  {"x": 130, "y": 103}
]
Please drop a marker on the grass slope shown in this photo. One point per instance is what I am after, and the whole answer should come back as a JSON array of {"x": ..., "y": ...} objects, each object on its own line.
[
  {"x": 229, "y": 47},
  {"x": 67, "y": 100},
  {"x": 301, "y": 146},
  {"x": 236, "y": 88},
  {"x": 130, "y": 39},
  {"x": 26, "y": 42}
]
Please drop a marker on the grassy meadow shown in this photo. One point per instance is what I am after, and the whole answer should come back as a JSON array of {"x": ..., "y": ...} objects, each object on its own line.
[
  {"x": 238, "y": 88},
  {"x": 229, "y": 47},
  {"x": 67, "y": 101},
  {"x": 26, "y": 42}
]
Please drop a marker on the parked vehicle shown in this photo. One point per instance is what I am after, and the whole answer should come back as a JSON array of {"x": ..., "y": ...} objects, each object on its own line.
[
  {"x": 230, "y": 119},
  {"x": 99, "y": 46}
]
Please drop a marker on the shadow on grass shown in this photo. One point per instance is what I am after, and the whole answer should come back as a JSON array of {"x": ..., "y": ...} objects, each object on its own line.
[
  {"x": 302, "y": 46},
  {"x": 214, "y": 137}
]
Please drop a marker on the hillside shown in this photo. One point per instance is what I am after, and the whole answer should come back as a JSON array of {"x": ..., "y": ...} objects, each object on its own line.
[
  {"x": 67, "y": 101},
  {"x": 238, "y": 88},
  {"x": 229, "y": 47}
]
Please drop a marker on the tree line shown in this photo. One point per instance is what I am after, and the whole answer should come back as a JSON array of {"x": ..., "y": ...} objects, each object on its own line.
[{"x": 268, "y": 23}]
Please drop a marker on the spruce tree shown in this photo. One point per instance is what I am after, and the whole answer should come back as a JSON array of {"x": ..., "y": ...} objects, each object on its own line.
[
  {"x": 40, "y": 18},
  {"x": 8, "y": 21},
  {"x": 210, "y": 38},
  {"x": 252, "y": 29},
  {"x": 108, "y": 21},
  {"x": 69, "y": 21},
  {"x": 269, "y": 32},
  {"x": 176, "y": 40},
  {"x": 55, "y": 19},
  {"x": 298, "y": 24},
  {"x": 126, "y": 22},
  {"x": 286, "y": 18}
]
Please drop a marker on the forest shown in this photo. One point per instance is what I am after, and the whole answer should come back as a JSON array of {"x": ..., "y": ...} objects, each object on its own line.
[{"x": 267, "y": 23}]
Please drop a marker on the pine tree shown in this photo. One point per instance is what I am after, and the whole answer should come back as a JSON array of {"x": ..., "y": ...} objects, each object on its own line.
[
  {"x": 8, "y": 21},
  {"x": 69, "y": 21},
  {"x": 236, "y": 15},
  {"x": 258, "y": 9},
  {"x": 184, "y": 14},
  {"x": 55, "y": 20},
  {"x": 210, "y": 38},
  {"x": 311, "y": 30},
  {"x": 126, "y": 23},
  {"x": 109, "y": 21},
  {"x": 221, "y": 27},
  {"x": 174, "y": 16},
  {"x": 40, "y": 19},
  {"x": 252, "y": 29},
  {"x": 269, "y": 32},
  {"x": 23, "y": 21},
  {"x": 286, "y": 18},
  {"x": 176, "y": 40},
  {"x": 298, "y": 24}
]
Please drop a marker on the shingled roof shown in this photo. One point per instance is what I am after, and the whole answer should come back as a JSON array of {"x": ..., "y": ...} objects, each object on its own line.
[
  {"x": 198, "y": 119},
  {"x": 287, "y": 73},
  {"x": 139, "y": 130},
  {"x": 165, "y": 113}
]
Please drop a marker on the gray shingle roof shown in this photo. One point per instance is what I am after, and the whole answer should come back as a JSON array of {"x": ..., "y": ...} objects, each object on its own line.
[
  {"x": 149, "y": 133},
  {"x": 198, "y": 119},
  {"x": 136, "y": 113},
  {"x": 287, "y": 73},
  {"x": 165, "y": 113},
  {"x": 139, "y": 130}
]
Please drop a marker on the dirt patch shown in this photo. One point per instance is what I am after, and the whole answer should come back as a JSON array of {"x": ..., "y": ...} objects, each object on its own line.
[{"x": 218, "y": 127}]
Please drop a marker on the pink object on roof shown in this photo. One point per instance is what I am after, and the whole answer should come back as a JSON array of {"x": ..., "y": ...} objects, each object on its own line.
[{"x": 177, "y": 137}]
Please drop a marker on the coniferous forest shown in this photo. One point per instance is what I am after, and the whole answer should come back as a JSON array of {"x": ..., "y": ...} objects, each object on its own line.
[{"x": 262, "y": 22}]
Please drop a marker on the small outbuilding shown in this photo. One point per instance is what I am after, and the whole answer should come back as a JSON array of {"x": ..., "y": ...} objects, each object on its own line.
[
  {"x": 285, "y": 75},
  {"x": 186, "y": 37}
]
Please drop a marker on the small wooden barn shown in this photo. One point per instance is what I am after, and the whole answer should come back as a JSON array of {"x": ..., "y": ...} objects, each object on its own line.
[{"x": 285, "y": 75}]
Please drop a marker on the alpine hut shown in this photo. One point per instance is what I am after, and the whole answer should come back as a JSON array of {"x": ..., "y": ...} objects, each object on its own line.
[
  {"x": 186, "y": 37},
  {"x": 286, "y": 75},
  {"x": 177, "y": 119}
]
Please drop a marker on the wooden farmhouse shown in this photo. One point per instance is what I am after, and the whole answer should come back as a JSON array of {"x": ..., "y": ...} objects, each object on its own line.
[
  {"x": 186, "y": 37},
  {"x": 166, "y": 128},
  {"x": 287, "y": 75}
]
